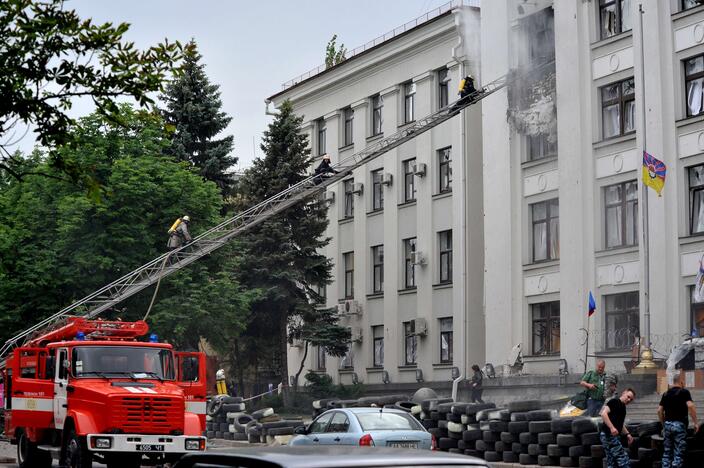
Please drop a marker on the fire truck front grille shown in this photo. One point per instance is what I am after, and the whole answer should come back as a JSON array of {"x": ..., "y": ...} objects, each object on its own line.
[{"x": 147, "y": 415}]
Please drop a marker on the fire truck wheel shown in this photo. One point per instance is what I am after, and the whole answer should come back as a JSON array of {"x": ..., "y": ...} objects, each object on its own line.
[
  {"x": 76, "y": 453},
  {"x": 29, "y": 456}
]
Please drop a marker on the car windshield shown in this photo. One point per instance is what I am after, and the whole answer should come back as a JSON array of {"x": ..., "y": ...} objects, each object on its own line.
[
  {"x": 387, "y": 422},
  {"x": 130, "y": 361}
]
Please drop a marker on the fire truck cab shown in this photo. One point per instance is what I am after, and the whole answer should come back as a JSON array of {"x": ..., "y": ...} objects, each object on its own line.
[{"x": 91, "y": 391}]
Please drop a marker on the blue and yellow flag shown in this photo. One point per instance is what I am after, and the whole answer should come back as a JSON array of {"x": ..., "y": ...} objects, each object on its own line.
[{"x": 654, "y": 172}]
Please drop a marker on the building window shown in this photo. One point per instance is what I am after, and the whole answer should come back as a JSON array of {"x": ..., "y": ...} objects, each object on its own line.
[
  {"x": 694, "y": 84},
  {"x": 539, "y": 147},
  {"x": 409, "y": 181},
  {"x": 446, "y": 340},
  {"x": 687, "y": 4},
  {"x": 622, "y": 320},
  {"x": 546, "y": 230},
  {"x": 347, "y": 361},
  {"x": 378, "y": 268},
  {"x": 410, "y": 342},
  {"x": 697, "y": 314},
  {"x": 409, "y": 248},
  {"x": 349, "y": 198},
  {"x": 443, "y": 87},
  {"x": 546, "y": 328},
  {"x": 348, "y": 261},
  {"x": 320, "y": 358},
  {"x": 539, "y": 31},
  {"x": 445, "y": 241},
  {"x": 378, "y": 334},
  {"x": 321, "y": 137},
  {"x": 696, "y": 199},
  {"x": 377, "y": 190},
  {"x": 445, "y": 166},
  {"x": 618, "y": 108},
  {"x": 409, "y": 102},
  {"x": 349, "y": 121},
  {"x": 621, "y": 213},
  {"x": 615, "y": 17},
  {"x": 377, "y": 107}
]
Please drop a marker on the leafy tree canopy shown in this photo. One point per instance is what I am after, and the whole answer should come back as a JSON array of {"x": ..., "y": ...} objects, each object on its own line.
[{"x": 48, "y": 57}]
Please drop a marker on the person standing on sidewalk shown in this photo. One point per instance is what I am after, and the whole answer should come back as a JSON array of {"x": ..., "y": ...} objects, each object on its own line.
[
  {"x": 593, "y": 381},
  {"x": 476, "y": 385},
  {"x": 613, "y": 415},
  {"x": 676, "y": 402}
]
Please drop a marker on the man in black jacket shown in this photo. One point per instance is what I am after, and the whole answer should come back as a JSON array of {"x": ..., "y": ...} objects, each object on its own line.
[{"x": 323, "y": 168}]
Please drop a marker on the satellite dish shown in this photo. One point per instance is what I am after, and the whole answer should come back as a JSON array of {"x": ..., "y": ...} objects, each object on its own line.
[{"x": 514, "y": 355}]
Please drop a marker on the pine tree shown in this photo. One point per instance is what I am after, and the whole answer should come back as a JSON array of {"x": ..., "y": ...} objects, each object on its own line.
[
  {"x": 194, "y": 109},
  {"x": 281, "y": 256}
]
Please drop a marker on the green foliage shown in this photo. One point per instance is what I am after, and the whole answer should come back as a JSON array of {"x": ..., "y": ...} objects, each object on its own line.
[
  {"x": 193, "y": 108},
  {"x": 48, "y": 57},
  {"x": 322, "y": 386},
  {"x": 57, "y": 246},
  {"x": 333, "y": 54}
]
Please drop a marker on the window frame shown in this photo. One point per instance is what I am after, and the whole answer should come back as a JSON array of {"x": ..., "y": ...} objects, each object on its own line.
[
  {"x": 377, "y": 268},
  {"x": 549, "y": 234},
  {"x": 348, "y": 128},
  {"x": 409, "y": 247},
  {"x": 632, "y": 315},
  {"x": 409, "y": 102},
  {"x": 622, "y": 101},
  {"x": 623, "y": 205},
  {"x": 445, "y": 169},
  {"x": 444, "y": 80},
  {"x": 410, "y": 339},
  {"x": 348, "y": 207},
  {"x": 550, "y": 320},
  {"x": 348, "y": 265},
  {"x": 445, "y": 255},
  {"x": 409, "y": 181},
  {"x": 689, "y": 78},
  {"x": 322, "y": 136},
  {"x": 448, "y": 335},
  {"x": 684, "y": 7},
  {"x": 377, "y": 177},
  {"x": 377, "y": 340},
  {"x": 320, "y": 358},
  {"x": 692, "y": 192},
  {"x": 545, "y": 148},
  {"x": 618, "y": 20}
]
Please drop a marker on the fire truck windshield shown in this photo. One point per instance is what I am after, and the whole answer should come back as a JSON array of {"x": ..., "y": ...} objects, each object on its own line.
[{"x": 130, "y": 361}]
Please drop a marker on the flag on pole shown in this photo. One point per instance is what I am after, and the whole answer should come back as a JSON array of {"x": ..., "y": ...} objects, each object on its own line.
[
  {"x": 592, "y": 304},
  {"x": 698, "y": 293},
  {"x": 654, "y": 172}
]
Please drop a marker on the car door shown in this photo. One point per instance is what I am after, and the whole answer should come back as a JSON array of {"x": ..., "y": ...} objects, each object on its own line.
[
  {"x": 336, "y": 432},
  {"x": 316, "y": 433}
]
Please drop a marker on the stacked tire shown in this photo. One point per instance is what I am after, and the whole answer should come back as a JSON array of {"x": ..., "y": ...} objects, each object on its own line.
[{"x": 221, "y": 411}]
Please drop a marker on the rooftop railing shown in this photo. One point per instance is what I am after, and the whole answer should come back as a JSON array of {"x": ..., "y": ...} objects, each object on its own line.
[{"x": 451, "y": 5}]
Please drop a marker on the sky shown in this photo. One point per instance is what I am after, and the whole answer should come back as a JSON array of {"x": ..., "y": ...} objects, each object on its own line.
[{"x": 250, "y": 48}]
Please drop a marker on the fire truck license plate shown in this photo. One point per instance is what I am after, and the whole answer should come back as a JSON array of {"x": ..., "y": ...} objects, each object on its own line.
[{"x": 150, "y": 448}]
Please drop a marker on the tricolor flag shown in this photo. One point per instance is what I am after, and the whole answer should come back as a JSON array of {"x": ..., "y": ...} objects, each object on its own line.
[
  {"x": 698, "y": 293},
  {"x": 654, "y": 172},
  {"x": 592, "y": 304}
]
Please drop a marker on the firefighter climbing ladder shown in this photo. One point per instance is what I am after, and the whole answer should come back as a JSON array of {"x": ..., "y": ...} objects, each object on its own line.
[{"x": 168, "y": 263}]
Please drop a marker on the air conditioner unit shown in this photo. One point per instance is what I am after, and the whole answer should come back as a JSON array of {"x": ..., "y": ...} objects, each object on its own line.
[
  {"x": 420, "y": 169},
  {"x": 356, "y": 335},
  {"x": 421, "y": 326},
  {"x": 357, "y": 188},
  {"x": 329, "y": 197},
  {"x": 349, "y": 307},
  {"x": 417, "y": 258},
  {"x": 387, "y": 179}
]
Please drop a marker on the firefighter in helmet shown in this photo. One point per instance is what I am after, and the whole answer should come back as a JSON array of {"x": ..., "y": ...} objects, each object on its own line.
[{"x": 178, "y": 233}]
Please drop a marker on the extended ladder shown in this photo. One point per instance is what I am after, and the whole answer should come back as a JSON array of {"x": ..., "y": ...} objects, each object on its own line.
[{"x": 168, "y": 263}]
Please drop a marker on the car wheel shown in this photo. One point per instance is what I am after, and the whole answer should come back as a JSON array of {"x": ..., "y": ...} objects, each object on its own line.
[
  {"x": 28, "y": 455},
  {"x": 76, "y": 454}
]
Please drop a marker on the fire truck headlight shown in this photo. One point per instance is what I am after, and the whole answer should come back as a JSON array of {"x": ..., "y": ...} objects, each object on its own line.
[
  {"x": 101, "y": 442},
  {"x": 195, "y": 444}
]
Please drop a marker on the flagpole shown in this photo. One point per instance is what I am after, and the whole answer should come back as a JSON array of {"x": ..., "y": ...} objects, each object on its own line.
[{"x": 646, "y": 353}]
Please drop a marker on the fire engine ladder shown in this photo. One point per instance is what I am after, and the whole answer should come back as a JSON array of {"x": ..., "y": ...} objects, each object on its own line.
[{"x": 168, "y": 263}]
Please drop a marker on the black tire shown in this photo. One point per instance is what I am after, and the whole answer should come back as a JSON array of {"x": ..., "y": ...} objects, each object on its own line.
[
  {"x": 582, "y": 425},
  {"x": 477, "y": 407},
  {"x": 462, "y": 445},
  {"x": 445, "y": 407},
  {"x": 568, "y": 461},
  {"x": 445, "y": 443},
  {"x": 500, "y": 446},
  {"x": 254, "y": 438},
  {"x": 442, "y": 423},
  {"x": 508, "y": 438},
  {"x": 404, "y": 405},
  {"x": 489, "y": 436},
  {"x": 590, "y": 438},
  {"x": 545, "y": 438},
  {"x": 498, "y": 426},
  {"x": 454, "y": 435},
  {"x": 561, "y": 426},
  {"x": 646, "y": 455},
  {"x": 282, "y": 423},
  {"x": 518, "y": 447},
  {"x": 492, "y": 456},
  {"x": 455, "y": 450},
  {"x": 537, "y": 427},
  {"x": 587, "y": 462},
  {"x": 539, "y": 415},
  {"x": 218, "y": 434},
  {"x": 453, "y": 418},
  {"x": 214, "y": 405},
  {"x": 519, "y": 417},
  {"x": 576, "y": 451},
  {"x": 28, "y": 455},
  {"x": 567, "y": 440},
  {"x": 241, "y": 423},
  {"x": 259, "y": 414},
  {"x": 517, "y": 427},
  {"x": 597, "y": 451},
  {"x": 649, "y": 428},
  {"x": 75, "y": 453},
  {"x": 472, "y": 453},
  {"x": 232, "y": 399},
  {"x": 279, "y": 431},
  {"x": 210, "y": 434},
  {"x": 525, "y": 459},
  {"x": 231, "y": 407},
  {"x": 438, "y": 432},
  {"x": 471, "y": 435},
  {"x": 527, "y": 438},
  {"x": 523, "y": 406},
  {"x": 509, "y": 457},
  {"x": 223, "y": 427},
  {"x": 535, "y": 449},
  {"x": 435, "y": 416},
  {"x": 500, "y": 415},
  {"x": 429, "y": 423},
  {"x": 481, "y": 445},
  {"x": 239, "y": 436},
  {"x": 544, "y": 460},
  {"x": 229, "y": 436},
  {"x": 459, "y": 408},
  {"x": 554, "y": 450}
]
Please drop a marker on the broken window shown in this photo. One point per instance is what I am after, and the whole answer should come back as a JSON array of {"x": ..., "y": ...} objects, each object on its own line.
[
  {"x": 443, "y": 87},
  {"x": 546, "y": 328},
  {"x": 694, "y": 84},
  {"x": 615, "y": 17},
  {"x": 540, "y": 146},
  {"x": 622, "y": 320},
  {"x": 445, "y": 340},
  {"x": 621, "y": 213},
  {"x": 696, "y": 199},
  {"x": 377, "y": 106},
  {"x": 546, "y": 236},
  {"x": 410, "y": 342},
  {"x": 445, "y": 166},
  {"x": 378, "y": 334},
  {"x": 618, "y": 108},
  {"x": 378, "y": 268}
]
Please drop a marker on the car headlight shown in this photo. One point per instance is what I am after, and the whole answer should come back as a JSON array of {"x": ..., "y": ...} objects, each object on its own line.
[
  {"x": 195, "y": 444},
  {"x": 101, "y": 442}
]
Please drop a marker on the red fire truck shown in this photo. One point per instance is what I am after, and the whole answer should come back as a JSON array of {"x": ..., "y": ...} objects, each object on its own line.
[{"x": 90, "y": 390}]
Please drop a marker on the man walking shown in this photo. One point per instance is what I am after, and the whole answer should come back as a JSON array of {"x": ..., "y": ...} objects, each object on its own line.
[
  {"x": 676, "y": 402},
  {"x": 476, "y": 385},
  {"x": 593, "y": 381},
  {"x": 613, "y": 415}
]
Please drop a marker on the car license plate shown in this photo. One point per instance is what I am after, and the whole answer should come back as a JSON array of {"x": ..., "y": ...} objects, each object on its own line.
[
  {"x": 150, "y": 448},
  {"x": 413, "y": 445}
]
